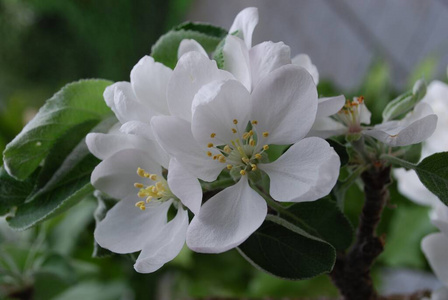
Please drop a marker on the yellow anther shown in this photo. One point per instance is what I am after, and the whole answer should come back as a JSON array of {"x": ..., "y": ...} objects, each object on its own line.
[
  {"x": 215, "y": 157},
  {"x": 251, "y": 133},
  {"x": 258, "y": 156},
  {"x": 254, "y": 167},
  {"x": 265, "y": 134},
  {"x": 142, "y": 207},
  {"x": 252, "y": 142},
  {"x": 148, "y": 199},
  {"x": 254, "y": 122},
  {"x": 140, "y": 203},
  {"x": 245, "y": 160},
  {"x": 154, "y": 189},
  {"x": 235, "y": 121},
  {"x": 153, "y": 177},
  {"x": 146, "y": 175},
  {"x": 209, "y": 145},
  {"x": 222, "y": 159},
  {"x": 243, "y": 172},
  {"x": 245, "y": 135},
  {"x": 265, "y": 147},
  {"x": 160, "y": 186},
  {"x": 234, "y": 130},
  {"x": 209, "y": 153},
  {"x": 141, "y": 194},
  {"x": 140, "y": 172},
  {"x": 213, "y": 135},
  {"x": 138, "y": 185},
  {"x": 227, "y": 149},
  {"x": 229, "y": 167}
]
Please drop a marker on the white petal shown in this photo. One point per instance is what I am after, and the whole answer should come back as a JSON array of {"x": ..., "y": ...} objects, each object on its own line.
[
  {"x": 117, "y": 174},
  {"x": 304, "y": 61},
  {"x": 327, "y": 127},
  {"x": 166, "y": 245},
  {"x": 174, "y": 135},
  {"x": 329, "y": 106},
  {"x": 394, "y": 134},
  {"x": 138, "y": 128},
  {"x": 227, "y": 219},
  {"x": 306, "y": 172},
  {"x": 435, "y": 248},
  {"x": 245, "y": 23},
  {"x": 126, "y": 228},
  {"x": 127, "y": 107},
  {"x": 236, "y": 60},
  {"x": 190, "y": 45},
  {"x": 439, "y": 217},
  {"x": 410, "y": 186},
  {"x": 364, "y": 114},
  {"x": 193, "y": 70},
  {"x": 285, "y": 104},
  {"x": 215, "y": 107},
  {"x": 185, "y": 186},
  {"x": 149, "y": 80},
  {"x": 266, "y": 57},
  {"x": 103, "y": 145}
]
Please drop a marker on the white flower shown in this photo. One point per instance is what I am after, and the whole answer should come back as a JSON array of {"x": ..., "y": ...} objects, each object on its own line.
[
  {"x": 435, "y": 248},
  {"x": 304, "y": 61},
  {"x": 280, "y": 110},
  {"x": 408, "y": 182},
  {"x": 131, "y": 171},
  {"x": 414, "y": 128}
]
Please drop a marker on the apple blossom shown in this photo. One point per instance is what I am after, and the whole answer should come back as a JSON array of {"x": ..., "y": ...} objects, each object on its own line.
[{"x": 231, "y": 128}]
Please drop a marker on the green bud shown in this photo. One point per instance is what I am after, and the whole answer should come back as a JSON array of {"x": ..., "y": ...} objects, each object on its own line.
[{"x": 405, "y": 102}]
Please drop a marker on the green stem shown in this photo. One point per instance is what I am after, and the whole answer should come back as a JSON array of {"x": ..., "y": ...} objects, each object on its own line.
[
  {"x": 218, "y": 184},
  {"x": 398, "y": 161}
]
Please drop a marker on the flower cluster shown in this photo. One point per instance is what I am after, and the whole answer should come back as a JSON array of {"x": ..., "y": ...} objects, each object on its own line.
[{"x": 188, "y": 126}]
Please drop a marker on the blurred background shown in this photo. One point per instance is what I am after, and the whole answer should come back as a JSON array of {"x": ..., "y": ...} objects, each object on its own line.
[{"x": 374, "y": 48}]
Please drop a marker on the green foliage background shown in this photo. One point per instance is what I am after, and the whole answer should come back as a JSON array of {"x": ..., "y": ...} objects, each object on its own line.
[{"x": 48, "y": 43}]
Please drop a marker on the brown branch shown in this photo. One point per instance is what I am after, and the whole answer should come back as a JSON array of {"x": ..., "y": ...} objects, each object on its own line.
[{"x": 351, "y": 273}]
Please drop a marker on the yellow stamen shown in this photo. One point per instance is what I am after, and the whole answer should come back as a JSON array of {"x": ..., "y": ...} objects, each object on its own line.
[
  {"x": 251, "y": 133},
  {"x": 242, "y": 172},
  {"x": 229, "y": 167},
  {"x": 140, "y": 203},
  {"x": 209, "y": 153},
  {"x": 215, "y": 157},
  {"x": 148, "y": 199},
  {"x": 140, "y": 172},
  {"x": 254, "y": 122},
  {"x": 265, "y": 134},
  {"x": 245, "y": 135},
  {"x": 227, "y": 149},
  {"x": 254, "y": 167},
  {"x": 265, "y": 147},
  {"x": 235, "y": 121},
  {"x": 245, "y": 160},
  {"x": 234, "y": 130},
  {"x": 258, "y": 156},
  {"x": 138, "y": 185},
  {"x": 153, "y": 177},
  {"x": 252, "y": 142},
  {"x": 209, "y": 145},
  {"x": 213, "y": 135}
]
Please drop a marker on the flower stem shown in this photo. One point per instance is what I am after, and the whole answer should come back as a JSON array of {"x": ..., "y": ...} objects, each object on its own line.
[{"x": 351, "y": 273}]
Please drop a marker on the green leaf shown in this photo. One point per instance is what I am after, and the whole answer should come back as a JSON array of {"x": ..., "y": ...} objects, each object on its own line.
[
  {"x": 12, "y": 191},
  {"x": 432, "y": 172},
  {"x": 165, "y": 49},
  {"x": 405, "y": 102},
  {"x": 76, "y": 103},
  {"x": 323, "y": 219},
  {"x": 284, "y": 250}
]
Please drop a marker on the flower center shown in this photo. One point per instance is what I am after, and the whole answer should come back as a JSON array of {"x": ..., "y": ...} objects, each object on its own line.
[
  {"x": 243, "y": 152},
  {"x": 158, "y": 192},
  {"x": 350, "y": 114}
]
